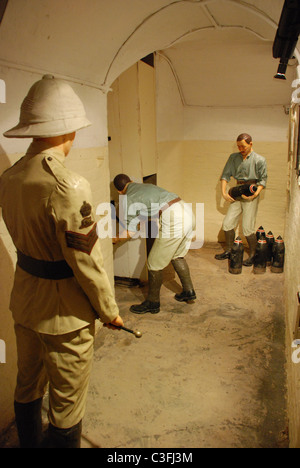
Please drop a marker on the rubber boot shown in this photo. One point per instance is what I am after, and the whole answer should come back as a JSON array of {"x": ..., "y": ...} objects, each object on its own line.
[
  {"x": 152, "y": 303},
  {"x": 182, "y": 269},
  {"x": 64, "y": 438},
  {"x": 29, "y": 423},
  {"x": 229, "y": 240},
  {"x": 252, "y": 241}
]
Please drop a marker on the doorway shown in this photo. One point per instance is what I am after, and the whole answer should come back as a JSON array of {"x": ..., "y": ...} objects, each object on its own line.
[{"x": 133, "y": 151}]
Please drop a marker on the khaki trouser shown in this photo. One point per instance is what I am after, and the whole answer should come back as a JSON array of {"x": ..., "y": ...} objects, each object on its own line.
[
  {"x": 175, "y": 236},
  {"x": 63, "y": 361},
  {"x": 249, "y": 211}
]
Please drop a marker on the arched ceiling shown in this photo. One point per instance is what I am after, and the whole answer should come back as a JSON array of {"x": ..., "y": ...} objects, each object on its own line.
[{"x": 94, "y": 41}]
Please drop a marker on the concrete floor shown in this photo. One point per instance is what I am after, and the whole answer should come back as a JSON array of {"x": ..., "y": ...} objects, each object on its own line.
[{"x": 206, "y": 374}]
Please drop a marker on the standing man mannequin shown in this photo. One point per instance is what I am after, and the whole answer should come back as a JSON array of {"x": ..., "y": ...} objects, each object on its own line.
[
  {"x": 60, "y": 285},
  {"x": 173, "y": 241},
  {"x": 247, "y": 167}
]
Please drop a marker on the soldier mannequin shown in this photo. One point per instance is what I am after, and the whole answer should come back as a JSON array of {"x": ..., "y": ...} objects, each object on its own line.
[
  {"x": 246, "y": 167},
  {"x": 172, "y": 243},
  {"x": 60, "y": 285}
]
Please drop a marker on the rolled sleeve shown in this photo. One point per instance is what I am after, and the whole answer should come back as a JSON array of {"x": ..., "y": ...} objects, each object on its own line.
[
  {"x": 262, "y": 173},
  {"x": 228, "y": 170}
]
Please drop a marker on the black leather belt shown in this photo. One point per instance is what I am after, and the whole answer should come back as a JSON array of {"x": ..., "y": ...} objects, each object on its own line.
[
  {"x": 247, "y": 182},
  {"x": 44, "y": 269}
]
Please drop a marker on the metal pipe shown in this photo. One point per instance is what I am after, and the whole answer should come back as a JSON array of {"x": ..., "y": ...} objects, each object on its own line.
[{"x": 136, "y": 333}]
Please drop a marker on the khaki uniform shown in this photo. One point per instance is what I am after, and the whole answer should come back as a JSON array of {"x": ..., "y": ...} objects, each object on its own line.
[{"x": 48, "y": 212}]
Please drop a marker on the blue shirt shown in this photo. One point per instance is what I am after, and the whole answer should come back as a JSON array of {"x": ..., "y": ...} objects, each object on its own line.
[
  {"x": 143, "y": 201},
  {"x": 253, "y": 167}
]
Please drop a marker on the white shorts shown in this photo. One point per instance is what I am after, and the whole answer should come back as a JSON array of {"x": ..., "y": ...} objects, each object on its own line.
[{"x": 175, "y": 235}]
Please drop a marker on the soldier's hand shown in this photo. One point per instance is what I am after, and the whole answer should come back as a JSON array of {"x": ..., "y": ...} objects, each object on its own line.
[
  {"x": 249, "y": 198},
  {"x": 118, "y": 321},
  {"x": 227, "y": 197}
]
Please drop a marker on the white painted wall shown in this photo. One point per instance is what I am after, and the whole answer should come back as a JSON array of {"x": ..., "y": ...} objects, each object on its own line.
[
  {"x": 215, "y": 124},
  {"x": 132, "y": 150},
  {"x": 199, "y": 140},
  {"x": 292, "y": 286},
  {"x": 170, "y": 128}
]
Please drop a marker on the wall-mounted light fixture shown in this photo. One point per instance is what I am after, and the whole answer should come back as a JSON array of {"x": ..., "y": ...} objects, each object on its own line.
[
  {"x": 286, "y": 36},
  {"x": 281, "y": 71}
]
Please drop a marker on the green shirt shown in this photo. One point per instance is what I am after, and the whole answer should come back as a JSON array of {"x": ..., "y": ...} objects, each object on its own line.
[
  {"x": 143, "y": 201},
  {"x": 253, "y": 167}
]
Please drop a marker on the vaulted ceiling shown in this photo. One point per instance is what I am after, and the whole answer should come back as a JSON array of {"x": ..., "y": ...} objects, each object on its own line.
[{"x": 220, "y": 51}]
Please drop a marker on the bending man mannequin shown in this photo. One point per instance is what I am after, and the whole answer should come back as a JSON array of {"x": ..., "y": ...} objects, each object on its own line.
[
  {"x": 247, "y": 167},
  {"x": 60, "y": 285},
  {"x": 174, "y": 238}
]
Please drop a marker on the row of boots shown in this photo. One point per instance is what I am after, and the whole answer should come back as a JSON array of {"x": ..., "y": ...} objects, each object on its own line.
[
  {"x": 155, "y": 278},
  {"x": 229, "y": 240},
  {"x": 30, "y": 429}
]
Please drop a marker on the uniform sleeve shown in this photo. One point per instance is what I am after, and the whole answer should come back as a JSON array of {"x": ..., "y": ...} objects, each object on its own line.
[
  {"x": 70, "y": 206},
  {"x": 130, "y": 215},
  {"x": 227, "y": 171},
  {"x": 262, "y": 172}
]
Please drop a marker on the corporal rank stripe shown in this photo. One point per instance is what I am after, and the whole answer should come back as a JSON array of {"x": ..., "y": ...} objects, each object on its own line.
[{"x": 82, "y": 242}]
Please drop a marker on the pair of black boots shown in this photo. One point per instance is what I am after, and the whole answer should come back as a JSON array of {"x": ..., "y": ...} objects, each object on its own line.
[
  {"x": 152, "y": 303},
  {"x": 30, "y": 430},
  {"x": 229, "y": 240}
]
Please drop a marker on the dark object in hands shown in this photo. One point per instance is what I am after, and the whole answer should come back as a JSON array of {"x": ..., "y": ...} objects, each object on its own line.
[{"x": 239, "y": 190}]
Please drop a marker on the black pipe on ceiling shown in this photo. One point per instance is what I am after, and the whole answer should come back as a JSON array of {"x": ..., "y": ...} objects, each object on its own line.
[{"x": 3, "y": 5}]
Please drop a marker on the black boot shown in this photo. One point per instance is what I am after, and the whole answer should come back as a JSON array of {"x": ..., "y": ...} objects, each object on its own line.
[
  {"x": 182, "y": 269},
  {"x": 64, "y": 438},
  {"x": 152, "y": 303},
  {"x": 229, "y": 239},
  {"x": 29, "y": 423},
  {"x": 145, "y": 307},
  {"x": 252, "y": 241}
]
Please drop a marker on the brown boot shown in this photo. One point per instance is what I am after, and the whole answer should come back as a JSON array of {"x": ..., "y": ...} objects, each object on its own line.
[
  {"x": 229, "y": 240},
  {"x": 182, "y": 269},
  {"x": 152, "y": 303},
  {"x": 252, "y": 241}
]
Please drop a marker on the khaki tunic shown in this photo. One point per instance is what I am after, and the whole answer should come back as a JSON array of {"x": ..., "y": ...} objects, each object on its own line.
[{"x": 47, "y": 211}]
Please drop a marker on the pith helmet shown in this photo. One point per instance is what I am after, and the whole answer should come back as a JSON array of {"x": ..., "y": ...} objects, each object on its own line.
[{"x": 51, "y": 108}]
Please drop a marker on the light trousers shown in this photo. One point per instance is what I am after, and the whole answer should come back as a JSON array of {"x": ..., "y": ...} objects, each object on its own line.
[
  {"x": 176, "y": 228},
  {"x": 63, "y": 361},
  {"x": 248, "y": 209}
]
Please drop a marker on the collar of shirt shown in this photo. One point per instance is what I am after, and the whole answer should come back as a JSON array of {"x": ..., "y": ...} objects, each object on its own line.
[
  {"x": 40, "y": 146},
  {"x": 247, "y": 157}
]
